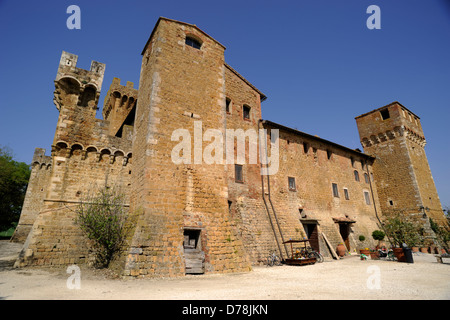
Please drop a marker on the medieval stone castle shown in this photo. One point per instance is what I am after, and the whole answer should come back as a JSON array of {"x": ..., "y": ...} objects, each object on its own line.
[{"x": 228, "y": 216}]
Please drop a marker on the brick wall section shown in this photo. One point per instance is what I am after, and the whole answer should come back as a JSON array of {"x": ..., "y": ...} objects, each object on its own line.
[{"x": 314, "y": 174}]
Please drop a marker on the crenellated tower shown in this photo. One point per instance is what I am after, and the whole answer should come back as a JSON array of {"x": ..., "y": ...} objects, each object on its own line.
[
  {"x": 76, "y": 96},
  {"x": 394, "y": 135}
]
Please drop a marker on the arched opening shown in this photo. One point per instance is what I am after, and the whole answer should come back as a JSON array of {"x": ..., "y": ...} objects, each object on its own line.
[
  {"x": 88, "y": 97},
  {"x": 67, "y": 91},
  {"x": 194, "y": 42}
]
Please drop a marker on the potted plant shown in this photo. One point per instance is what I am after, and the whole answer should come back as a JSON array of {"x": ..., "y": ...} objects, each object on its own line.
[
  {"x": 379, "y": 236},
  {"x": 365, "y": 251},
  {"x": 402, "y": 232},
  {"x": 374, "y": 255}
]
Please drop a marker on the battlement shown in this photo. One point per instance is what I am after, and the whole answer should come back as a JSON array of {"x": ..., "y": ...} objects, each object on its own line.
[
  {"x": 75, "y": 86},
  {"x": 68, "y": 68}
]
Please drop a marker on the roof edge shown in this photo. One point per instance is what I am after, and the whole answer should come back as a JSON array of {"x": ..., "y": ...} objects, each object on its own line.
[
  {"x": 318, "y": 139},
  {"x": 263, "y": 96},
  {"x": 386, "y": 106},
  {"x": 180, "y": 22}
]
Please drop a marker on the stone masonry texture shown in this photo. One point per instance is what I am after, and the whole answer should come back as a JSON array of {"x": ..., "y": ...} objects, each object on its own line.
[{"x": 238, "y": 214}]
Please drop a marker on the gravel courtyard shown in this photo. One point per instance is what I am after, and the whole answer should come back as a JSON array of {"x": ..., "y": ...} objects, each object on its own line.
[{"x": 348, "y": 278}]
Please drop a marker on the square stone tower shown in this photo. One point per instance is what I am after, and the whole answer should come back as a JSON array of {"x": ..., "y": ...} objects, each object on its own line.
[
  {"x": 394, "y": 135},
  {"x": 182, "y": 209}
]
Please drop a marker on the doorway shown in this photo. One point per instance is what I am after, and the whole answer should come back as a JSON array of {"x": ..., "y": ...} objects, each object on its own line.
[
  {"x": 193, "y": 255},
  {"x": 312, "y": 234},
  {"x": 344, "y": 230}
]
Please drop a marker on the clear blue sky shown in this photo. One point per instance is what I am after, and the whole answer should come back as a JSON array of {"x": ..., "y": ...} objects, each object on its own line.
[{"x": 317, "y": 62}]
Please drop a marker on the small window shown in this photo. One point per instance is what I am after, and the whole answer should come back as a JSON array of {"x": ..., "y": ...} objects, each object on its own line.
[
  {"x": 246, "y": 112},
  {"x": 193, "y": 43},
  {"x": 356, "y": 175},
  {"x": 346, "y": 194},
  {"x": 366, "y": 177},
  {"x": 335, "y": 190},
  {"x": 305, "y": 147},
  {"x": 367, "y": 197},
  {"x": 391, "y": 203},
  {"x": 291, "y": 182},
  {"x": 385, "y": 114},
  {"x": 238, "y": 175},
  {"x": 228, "y": 105},
  {"x": 352, "y": 161}
]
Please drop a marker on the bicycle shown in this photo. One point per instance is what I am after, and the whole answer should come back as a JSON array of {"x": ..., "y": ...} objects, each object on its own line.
[
  {"x": 317, "y": 255},
  {"x": 308, "y": 253},
  {"x": 273, "y": 260},
  {"x": 314, "y": 254}
]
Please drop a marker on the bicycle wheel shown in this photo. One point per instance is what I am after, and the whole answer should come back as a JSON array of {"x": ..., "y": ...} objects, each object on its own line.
[
  {"x": 317, "y": 255},
  {"x": 277, "y": 261}
]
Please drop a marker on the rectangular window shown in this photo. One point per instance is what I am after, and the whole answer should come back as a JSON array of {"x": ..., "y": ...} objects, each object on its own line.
[
  {"x": 228, "y": 105},
  {"x": 291, "y": 182},
  {"x": 238, "y": 175},
  {"x": 346, "y": 194},
  {"x": 246, "y": 112},
  {"x": 367, "y": 197},
  {"x": 385, "y": 114},
  {"x": 335, "y": 190}
]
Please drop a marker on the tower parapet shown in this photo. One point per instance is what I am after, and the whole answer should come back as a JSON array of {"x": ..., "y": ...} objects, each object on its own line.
[
  {"x": 75, "y": 86},
  {"x": 119, "y": 106}
]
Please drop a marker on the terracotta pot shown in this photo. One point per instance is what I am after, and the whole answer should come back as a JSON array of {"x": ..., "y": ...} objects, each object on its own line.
[
  {"x": 364, "y": 251},
  {"x": 415, "y": 249},
  {"x": 375, "y": 255},
  {"x": 424, "y": 250},
  {"x": 399, "y": 254},
  {"x": 443, "y": 251},
  {"x": 340, "y": 249}
]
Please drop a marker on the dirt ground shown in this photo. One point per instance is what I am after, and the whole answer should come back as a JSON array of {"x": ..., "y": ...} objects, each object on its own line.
[{"x": 348, "y": 278}]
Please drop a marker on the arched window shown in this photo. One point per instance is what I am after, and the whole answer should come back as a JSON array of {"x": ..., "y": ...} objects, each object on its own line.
[
  {"x": 366, "y": 177},
  {"x": 356, "y": 175},
  {"x": 193, "y": 42}
]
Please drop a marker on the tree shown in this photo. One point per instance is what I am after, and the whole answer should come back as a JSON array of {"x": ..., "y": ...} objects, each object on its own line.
[
  {"x": 14, "y": 178},
  {"x": 102, "y": 216},
  {"x": 402, "y": 230}
]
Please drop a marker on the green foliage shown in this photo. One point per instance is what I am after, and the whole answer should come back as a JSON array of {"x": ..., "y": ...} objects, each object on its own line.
[
  {"x": 103, "y": 218},
  {"x": 362, "y": 238},
  {"x": 14, "y": 178},
  {"x": 401, "y": 230},
  {"x": 378, "y": 235},
  {"x": 442, "y": 233}
]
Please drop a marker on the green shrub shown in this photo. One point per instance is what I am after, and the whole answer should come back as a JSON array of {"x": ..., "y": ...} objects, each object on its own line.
[
  {"x": 378, "y": 235},
  {"x": 102, "y": 217}
]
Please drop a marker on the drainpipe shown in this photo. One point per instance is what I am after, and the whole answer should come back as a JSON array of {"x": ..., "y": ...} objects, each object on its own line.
[{"x": 270, "y": 200}]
